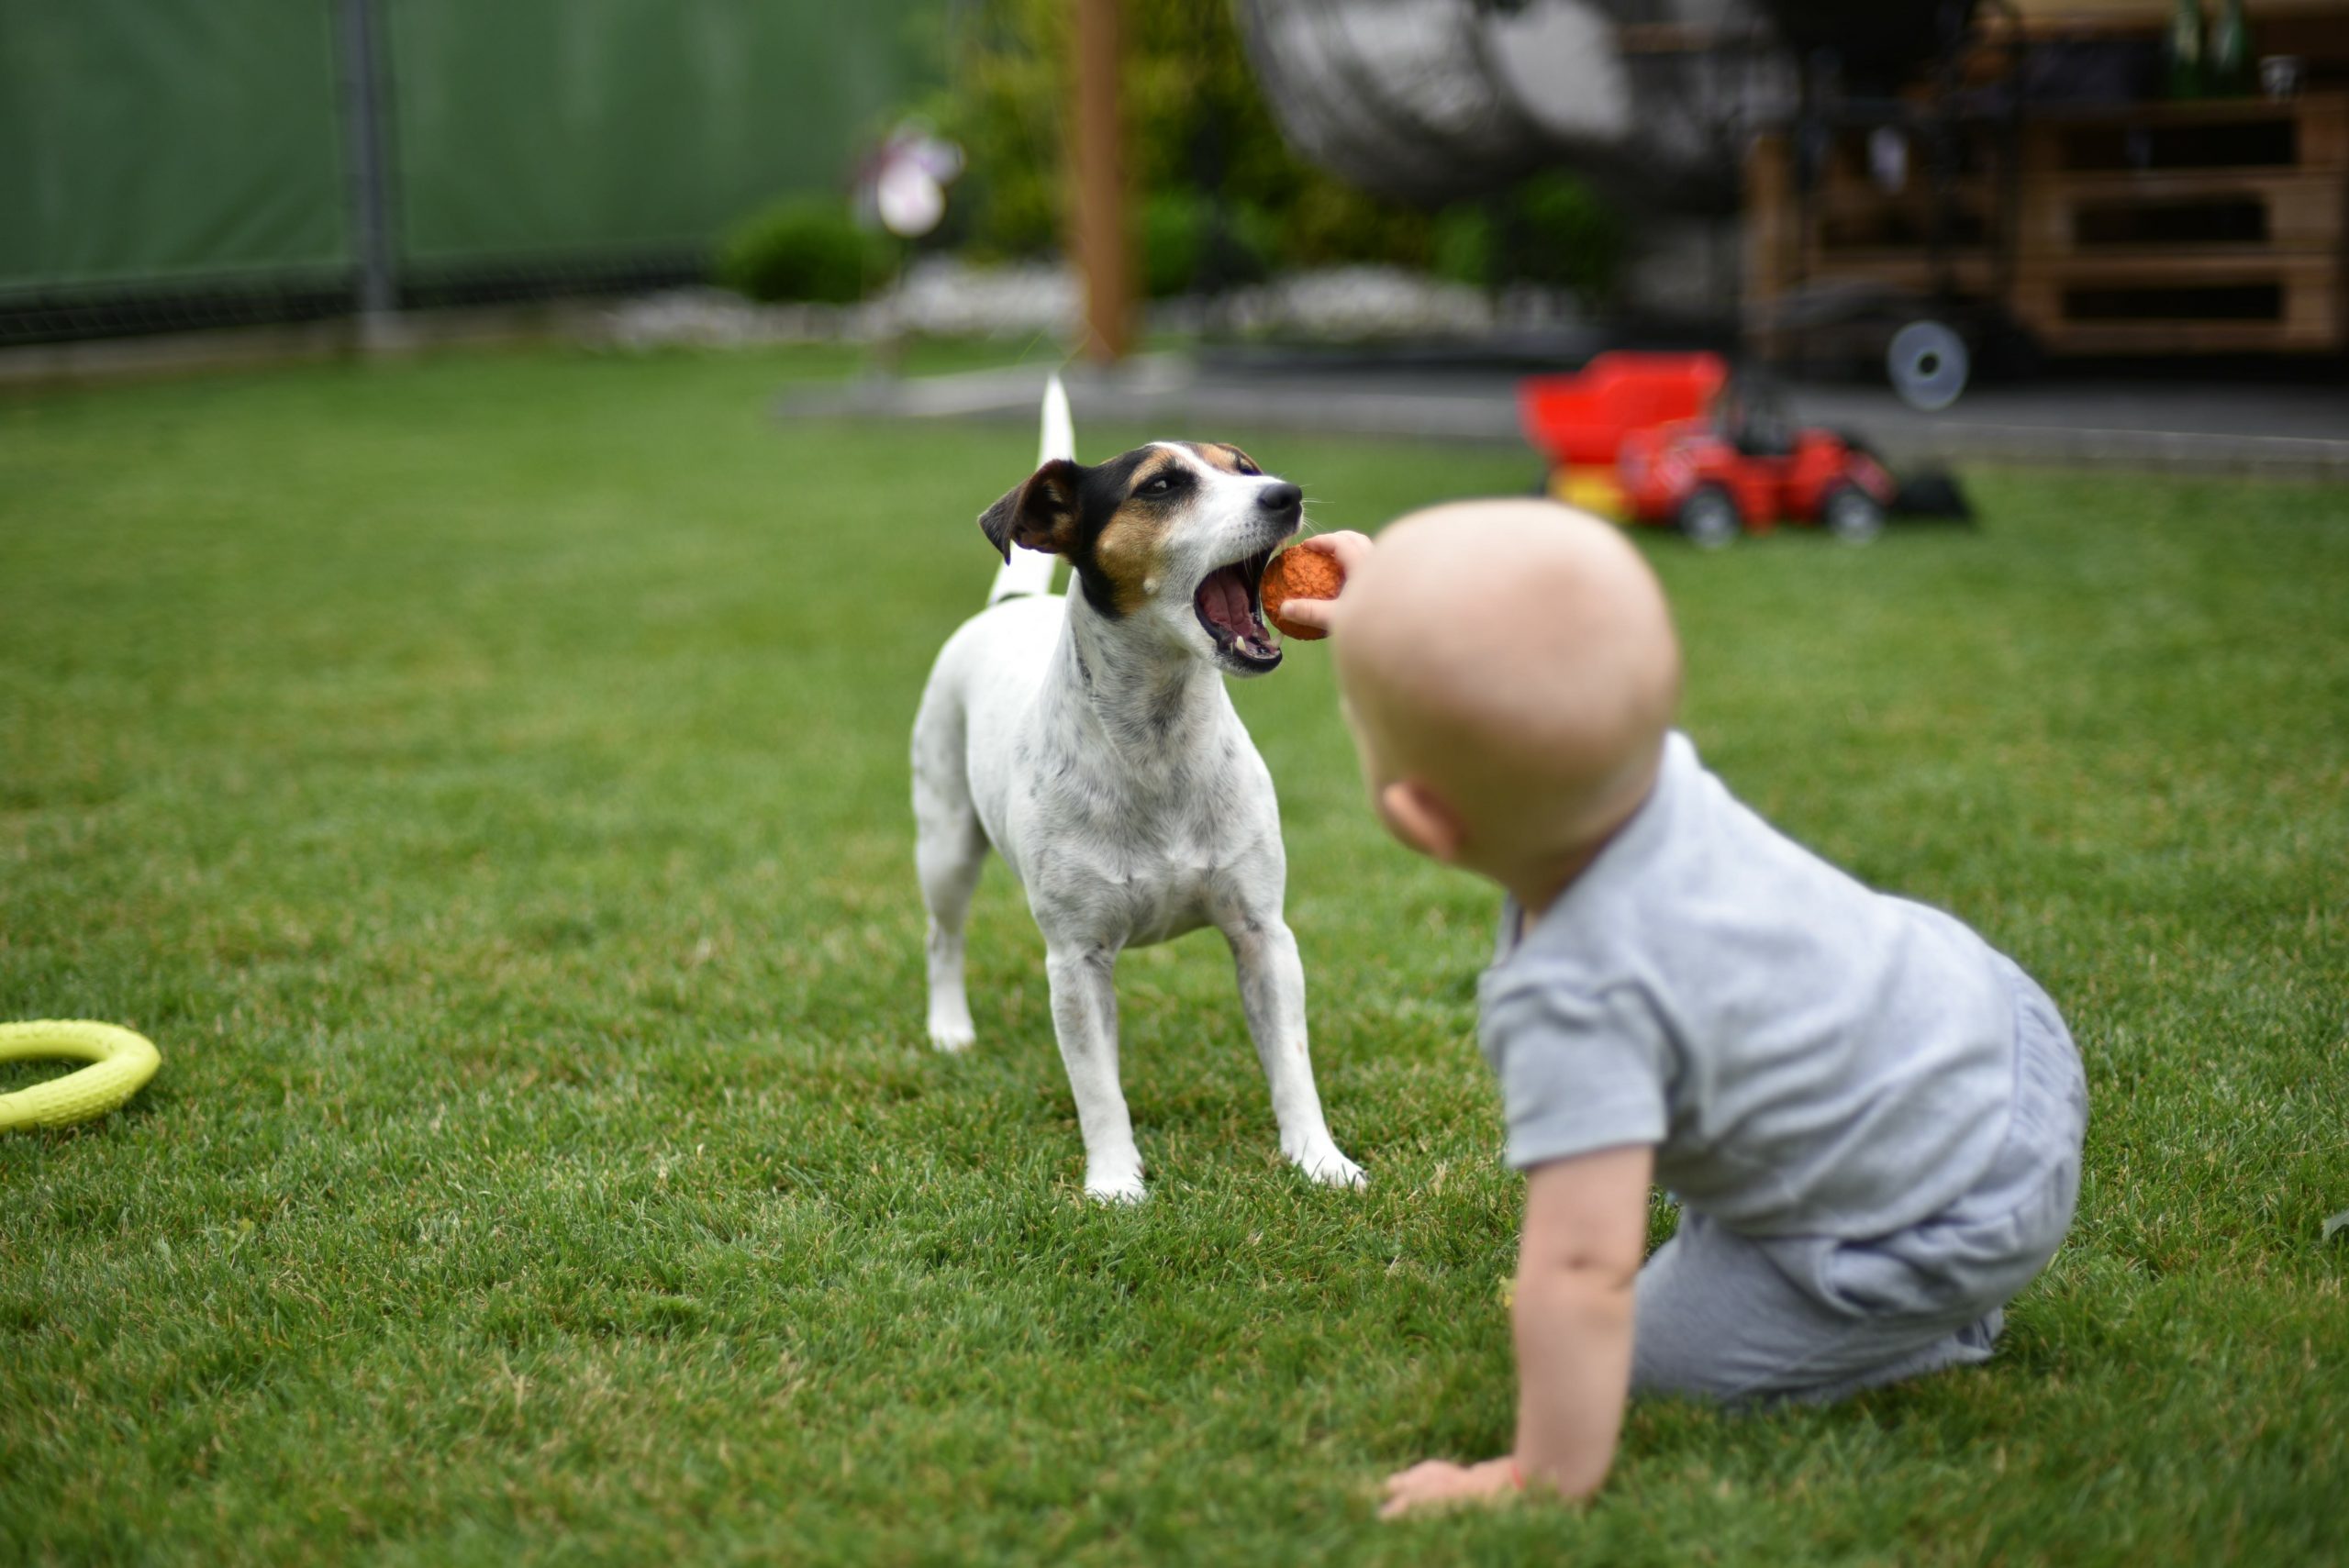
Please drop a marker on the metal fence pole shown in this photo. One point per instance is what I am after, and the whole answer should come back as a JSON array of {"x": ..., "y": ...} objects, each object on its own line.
[{"x": 369, "y": 152}]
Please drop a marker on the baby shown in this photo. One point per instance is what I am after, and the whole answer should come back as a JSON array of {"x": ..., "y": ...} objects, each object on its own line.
[{"x": 1871, "y": 1118}]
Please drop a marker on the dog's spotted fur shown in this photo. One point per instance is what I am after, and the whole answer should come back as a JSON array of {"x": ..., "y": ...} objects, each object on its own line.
[{"x": 1089, "y": 740}]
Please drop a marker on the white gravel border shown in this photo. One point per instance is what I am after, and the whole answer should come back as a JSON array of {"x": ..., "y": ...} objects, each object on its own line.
[{"x": 940, "y": 296}]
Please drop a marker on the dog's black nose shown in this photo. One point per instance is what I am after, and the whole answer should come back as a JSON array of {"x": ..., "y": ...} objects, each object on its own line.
[{"x": 1281, "y": 498}]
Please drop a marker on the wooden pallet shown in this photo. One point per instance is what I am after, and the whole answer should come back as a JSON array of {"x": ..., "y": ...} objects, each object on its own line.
[
  {"x": 2256, "y": 213},
  {"x": 1968, "y": 272},
  {"x": 2207, "y": 226},
  {"x": 2172, "y": 304},
  {"x": 2308, "y": 134},
  {"x": 2199, "y": 227}
]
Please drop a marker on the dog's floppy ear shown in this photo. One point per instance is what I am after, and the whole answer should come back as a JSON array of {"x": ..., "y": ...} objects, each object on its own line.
[{"x": 1039, "y": 514}]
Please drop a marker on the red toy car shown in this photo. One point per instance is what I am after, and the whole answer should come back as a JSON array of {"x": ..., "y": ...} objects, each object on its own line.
[
  {"x": 1745, "y": 466},
  {"x": 1691, "y": 448}
]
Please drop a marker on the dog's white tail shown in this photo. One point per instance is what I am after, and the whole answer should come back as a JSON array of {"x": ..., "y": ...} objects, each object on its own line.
[{"x": 1030, "y": 571}]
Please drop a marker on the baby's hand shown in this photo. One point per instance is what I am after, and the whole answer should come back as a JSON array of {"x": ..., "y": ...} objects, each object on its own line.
[
  {"x": 1348, "y": 550},
  {"x": 1439, "y": 1484}
]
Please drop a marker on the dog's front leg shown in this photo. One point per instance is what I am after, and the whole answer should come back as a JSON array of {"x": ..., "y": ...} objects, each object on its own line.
[
  {"x": 1271, "y": 993},
  {"x": 1084, "y": 1016}
]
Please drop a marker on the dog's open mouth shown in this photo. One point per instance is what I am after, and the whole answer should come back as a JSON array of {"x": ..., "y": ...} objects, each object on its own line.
[{"x": 1230, "y": 605}]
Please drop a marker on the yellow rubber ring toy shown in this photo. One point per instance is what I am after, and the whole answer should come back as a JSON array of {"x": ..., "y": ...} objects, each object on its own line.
[{"x": 121, "y": 1063}]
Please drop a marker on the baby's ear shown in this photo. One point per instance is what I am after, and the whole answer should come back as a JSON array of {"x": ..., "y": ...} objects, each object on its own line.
[
  {"x": 1421, "y": 819},
  {"x": 1039, "y": 514}
]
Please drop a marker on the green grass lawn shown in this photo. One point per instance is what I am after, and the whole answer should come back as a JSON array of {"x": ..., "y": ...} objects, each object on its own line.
[{"x": 485, "y": 779}]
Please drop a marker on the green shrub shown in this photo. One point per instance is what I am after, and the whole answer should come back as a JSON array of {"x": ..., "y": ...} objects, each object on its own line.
[
  {"x": 1187, "y": 242},
  {"x": 1463, "y": 251},
  {"x": 805, "y": 247},
  {"x": 1565, "y": 234},
  {"x": 1553, "y": 230}
]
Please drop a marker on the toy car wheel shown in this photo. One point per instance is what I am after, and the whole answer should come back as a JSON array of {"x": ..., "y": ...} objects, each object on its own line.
[
  {"x": 1709, "y": 517},
  {"x": 1851, "y": 514}
]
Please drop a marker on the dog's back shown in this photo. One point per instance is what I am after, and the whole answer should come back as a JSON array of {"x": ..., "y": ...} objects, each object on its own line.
[
  {"x": 989, "y": 670},
  {"x": 988, "y": 673},
  {"x": 985, "y": 681}
]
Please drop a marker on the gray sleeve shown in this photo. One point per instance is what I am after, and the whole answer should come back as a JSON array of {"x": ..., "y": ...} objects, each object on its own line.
[{"x": 1577, "y": 1073}]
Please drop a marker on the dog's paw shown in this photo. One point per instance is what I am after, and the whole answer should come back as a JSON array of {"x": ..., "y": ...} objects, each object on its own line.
[
  {"x": 1325, "y": 1164},
  {"x": 949, "y": 1035},
  {"x": 1112, "y": 1186}
]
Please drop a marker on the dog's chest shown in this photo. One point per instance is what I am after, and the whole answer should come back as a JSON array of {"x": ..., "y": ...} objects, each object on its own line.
[
  {"x": 1143, "y": 865},
  {"x": 1133, "y": 895}
]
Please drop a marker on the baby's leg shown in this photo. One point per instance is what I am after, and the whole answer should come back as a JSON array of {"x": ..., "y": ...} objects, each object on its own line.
[
  {"x": 1719, "y": 1317},
  {"x": 1812, "y": 1318}
]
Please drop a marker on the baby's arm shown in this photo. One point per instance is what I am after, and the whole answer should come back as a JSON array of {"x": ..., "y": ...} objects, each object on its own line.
[
  {"x": 1348, "y": 550},
  {"x": 1586, "y": 1225}
]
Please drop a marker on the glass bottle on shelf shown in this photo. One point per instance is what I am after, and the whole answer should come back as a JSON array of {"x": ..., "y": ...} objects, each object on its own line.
[
  {"x": 2230, "y": 70},
  {"x": 2182, "y": 49}
]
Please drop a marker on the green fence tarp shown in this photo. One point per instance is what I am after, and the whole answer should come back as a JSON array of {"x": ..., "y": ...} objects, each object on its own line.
[
  {"x": 161, "y": 141},
  {"x": 150, "y": 140},
  {"x": 587, "y": 125}
]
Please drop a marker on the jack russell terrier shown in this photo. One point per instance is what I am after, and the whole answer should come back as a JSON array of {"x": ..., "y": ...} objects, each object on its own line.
[{"x": 1088, "y": 738}]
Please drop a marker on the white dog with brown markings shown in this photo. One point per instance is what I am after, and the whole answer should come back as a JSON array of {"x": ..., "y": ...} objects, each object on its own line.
[{"x": 1087, "y": 736}]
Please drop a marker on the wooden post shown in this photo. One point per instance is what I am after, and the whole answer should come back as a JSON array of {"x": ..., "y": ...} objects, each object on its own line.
[
  {"x": 1101, "y": 251},
  {"x": 1769, "y": 236}
]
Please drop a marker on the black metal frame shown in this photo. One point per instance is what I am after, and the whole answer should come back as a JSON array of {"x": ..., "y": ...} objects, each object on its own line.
[{"x": 1822, "y": 110}]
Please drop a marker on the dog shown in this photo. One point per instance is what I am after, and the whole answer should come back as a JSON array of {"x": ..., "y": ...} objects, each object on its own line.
[{"x": 1088, "y": 738}]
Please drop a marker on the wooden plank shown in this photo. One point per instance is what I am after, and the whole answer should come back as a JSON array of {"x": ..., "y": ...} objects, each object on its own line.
[
  {"x": 2167, "y": 337},
  {"x": 1841, "y": 201},
  {"x": 1769, "y": 238},
  {"x": 1970, "y": 271},
  {"x": 2324, "y": 132},
  {"x": 2151, "y": 139},
  {"x": 2307, "y": 107},
  {"x": 1851, "y": 189},
  {"x": 2300, "y": 212},
  {"x": 1769, "y": 247},
  {"x": 2149, "y": 13},
  {"x": 2178, "y": 266},
  {"x": 2310, "y": 317},
  {"x": 1769, "y": 208}
]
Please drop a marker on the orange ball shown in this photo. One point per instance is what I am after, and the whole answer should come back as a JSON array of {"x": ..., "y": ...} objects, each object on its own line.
[{"x": 1299, "y": 574}]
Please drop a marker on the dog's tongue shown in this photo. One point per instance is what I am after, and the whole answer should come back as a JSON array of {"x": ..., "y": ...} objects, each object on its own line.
[{"x": 1225, "y": 597}]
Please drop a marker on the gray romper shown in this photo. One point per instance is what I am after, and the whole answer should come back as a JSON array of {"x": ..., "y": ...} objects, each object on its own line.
[{"x": 1872, "y": 1119}]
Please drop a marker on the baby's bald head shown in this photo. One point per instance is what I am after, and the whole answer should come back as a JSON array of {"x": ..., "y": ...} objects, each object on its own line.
[{"x": 1515, "y": 662}]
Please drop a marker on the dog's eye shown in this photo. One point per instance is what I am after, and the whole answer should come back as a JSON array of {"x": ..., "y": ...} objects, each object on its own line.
[
  {"x": 1158, "y": 486},
  {"x": 1248, "y": 469}
]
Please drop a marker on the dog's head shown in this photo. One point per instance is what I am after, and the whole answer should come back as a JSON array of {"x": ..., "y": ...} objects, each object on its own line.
[{"x": 1167, "y": 539}]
